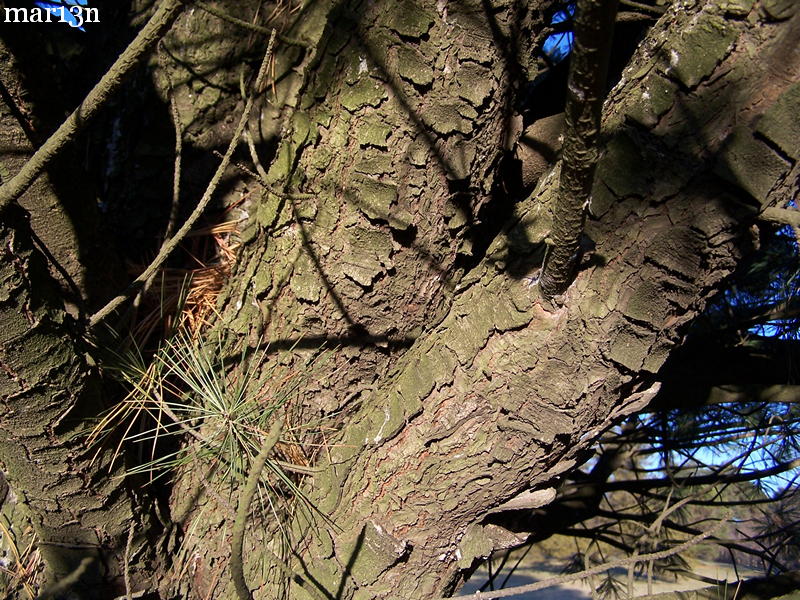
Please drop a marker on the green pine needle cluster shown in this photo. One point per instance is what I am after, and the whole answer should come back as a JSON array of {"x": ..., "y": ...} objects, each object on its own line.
[{"x": 187, "y": 404}]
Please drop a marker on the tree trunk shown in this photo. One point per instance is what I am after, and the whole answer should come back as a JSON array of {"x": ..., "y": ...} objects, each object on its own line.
[
  {"x": 381, "y": 232},
  {"x": 77, "y": 507},
  {"x": 462, "y": 390}
]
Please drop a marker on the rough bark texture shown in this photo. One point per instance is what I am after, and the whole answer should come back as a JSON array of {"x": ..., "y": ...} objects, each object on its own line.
[
  {"x": 48, "y": 392},
  {"x": 76, "y": 509},
  {"x": 65, "y": 221},
  {"x": 471, "y": 394},
  {"x": 95, "y": 100},
  {"x": 462, "y": 391},
  {"x": 497, "y": 395},
  {"x": 398, "y": 133},
  {"x": 502, "y": 395}
]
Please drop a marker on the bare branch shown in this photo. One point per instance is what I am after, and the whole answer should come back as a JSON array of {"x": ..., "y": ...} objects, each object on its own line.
[
  {"x": 155, "y": 28},
  {"x": 65, "y": 584},
  {"x": 594, "y": 26},
  {"x": 220, "y": 14},
  {"x": 245, "y": 498},
  {"x": 546, "y": 583},
  {"x": 634, "y": 485}
]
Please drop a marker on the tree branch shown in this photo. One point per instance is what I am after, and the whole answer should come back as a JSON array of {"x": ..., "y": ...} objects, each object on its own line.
[
  {"x": 757, "y": 587},
  {"x": 245, "y": 498},
  {"x": 155, "y": 28},
  {"x": 633, "y": 485},
  {"x": 594, "y": 26},
  {"x": 705, "y": 362},
  {"x": 688, "y": 395},
  {"x": 546, "y": 583},
  {"x": 171, "y": 243},
  {"x": 65, "y": 584},
  {"x": 220, "y": 14}
]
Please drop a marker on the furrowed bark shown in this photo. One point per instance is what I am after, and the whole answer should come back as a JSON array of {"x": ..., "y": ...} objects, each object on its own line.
[
  {"x": 78, "y": 510},
  {"x": 502, "y": 395},
  {"x": 62, "y": 210},
  {"x": 396, "y": 133},
  {"x": 472, "y": 395}
]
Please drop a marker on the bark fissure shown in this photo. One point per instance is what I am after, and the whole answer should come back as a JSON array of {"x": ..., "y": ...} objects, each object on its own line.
[
  {"x": 476, "y": 392},
  {"x": 75, "y": 514},
  {"x": 666, "y": 243}
]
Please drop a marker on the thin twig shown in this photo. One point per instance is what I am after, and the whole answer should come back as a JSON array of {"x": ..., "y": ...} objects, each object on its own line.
[
  {"x": 244, "y": 24},
  {"x": 245, "y": 498},
  {"x": 561, "y": 579},
  {"x": 58, "y": 267},
  {"x": 172, "y": 243},
  {"x": 176, "y": 173},
  {"x": 232, "y": 513},
  {"x": 271, "y": 189},
  {"x": 655, "y": 10},
  {"x": 261, "y": 173},
  {"x": 155, "y": 28},
  {"x": 594, "y": 26},
  {"x": 240, "y": 520}
]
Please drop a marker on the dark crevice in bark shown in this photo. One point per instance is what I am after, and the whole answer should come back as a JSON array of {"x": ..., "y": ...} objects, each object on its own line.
[
  {"x": 543, "y": 351},
  {"x": 748, "y": 371},
  {"x": 43, "y": 422}
]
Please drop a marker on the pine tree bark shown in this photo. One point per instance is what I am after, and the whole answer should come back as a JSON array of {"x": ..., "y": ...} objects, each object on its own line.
[
  {"x": 462, "y": 392},
  {"x": 77, "y": 508},
  {"x": 500, "y": 396}
]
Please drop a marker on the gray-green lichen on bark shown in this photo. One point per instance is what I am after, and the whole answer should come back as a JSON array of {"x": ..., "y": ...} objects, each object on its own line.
[
  {"x": 386, "y": 146},
  {"x": 368, "y": 261},
  {"x": 502, "y": 394}
]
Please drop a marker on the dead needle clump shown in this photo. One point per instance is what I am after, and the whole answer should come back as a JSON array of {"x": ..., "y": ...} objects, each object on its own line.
[
  {"x": 187, "y": 297},
  {"x": 21, "y": 566}
]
